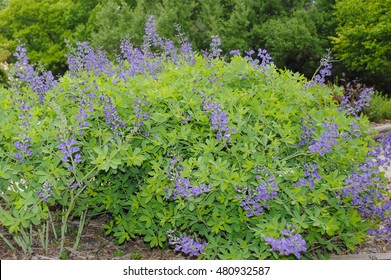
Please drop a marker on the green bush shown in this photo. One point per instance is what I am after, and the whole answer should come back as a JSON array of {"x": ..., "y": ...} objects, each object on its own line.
[
  {"x": 226, "y": 159},
  {"x": 380, "y": 108}
]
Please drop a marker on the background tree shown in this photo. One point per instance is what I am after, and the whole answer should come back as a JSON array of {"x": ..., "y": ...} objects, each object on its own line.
[
  {"x": 43, "y": 25},
  {"x": 362, "y": 39}
]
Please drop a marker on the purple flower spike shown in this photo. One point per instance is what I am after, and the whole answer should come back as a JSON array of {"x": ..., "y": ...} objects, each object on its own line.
[
  {"x": 294, "y": 244},
  {"x": 69, "y": 152},
  {"x": 218, "y": 119},
  {"x": 186, "y": 245},
  {"x": 253, "y": 200},
  {"x": 327, "y": 140},
  {"x": 182, "y": 186}
]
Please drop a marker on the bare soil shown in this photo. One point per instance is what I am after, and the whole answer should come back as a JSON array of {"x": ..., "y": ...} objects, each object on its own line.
[{"x": 94, "y": 245}]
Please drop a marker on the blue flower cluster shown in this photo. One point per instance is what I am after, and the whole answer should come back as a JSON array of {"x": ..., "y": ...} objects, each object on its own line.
[
  {"x": 290, "y": 244},
  {"x": 113, "y": 120},
  {"x": 86, "y": 59},
  {"x": 354, "y": 105},
  {"x": 149, "y": 59},
  {"x": 264, "y": 61},
  {"x": 215, "y": 47},
  {"x": 186, "y": 245},
  {"x": 235, "y": 52},
  {"x": 86, "y": 107},
  {"x": 46, "y": 191},
  {"x": 253, "y": 199},
  {"x": 182, "y": 186},
  {"x": 364, "y": 188},
  {"x": 23, "y": 147},
  {"x": 39, "y": 83},
  {"x": 310, "y": 175},
  {"x": 141, "y": 116},
  {"x": 69, "y": 152},
  {"x": 144, "y": 60},
  {"x": 308, "y": 133},
  {"x": 218, "y": 119},
  {"x": 327, "y": 140},
  {"x": 355, "y": 132},
  {"x": 23, "y": 144},
  {"x": 384, "y": 232},
  {"x": 186, "y": 52},
  {"x": 323, "y": 71}
]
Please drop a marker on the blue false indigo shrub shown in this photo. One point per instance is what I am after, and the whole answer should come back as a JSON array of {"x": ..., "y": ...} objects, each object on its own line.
[
  {"x": 366, "y": 188},
  {"x": 319, "y": 166}
]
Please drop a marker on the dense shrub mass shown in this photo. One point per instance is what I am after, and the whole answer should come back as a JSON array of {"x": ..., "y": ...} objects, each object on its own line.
[{"x": 220, "y": 158}]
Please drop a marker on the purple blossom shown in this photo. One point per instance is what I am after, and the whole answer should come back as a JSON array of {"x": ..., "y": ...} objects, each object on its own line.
[
  {"x": 249, "y": 57},
  {"x": 234, "y": 52},
  {"x": 182, "y": 186},
  {"x": 307, "y": 135},
  {"x": 69, "y": 151},
  {"x": 291, "y": 244},
  {"x": 139, "y": 62},
  {"x": 150, "y": 58},
  {"x": 353, "y": 104},
  {"x": 85, "y": 58},
  {"x": 186, "y": 51},
  {"x": 323, "y": 71},
  {"x": 186, "y": 245},
  {"x": 46, "y": 191},
  {"x": 23, "y": 147},
  {"x": 215, "y": 48},
  {"x": 82, "y": 118},
  {"x": 151, "y": 37},
  {"x": 365, "y": 187},
  {"x": 383, "y": 232},
  {"x": 141, "y": 116},
  {"x": 327, "y": 141},
  {"x": 113, "y": 120},
  {"x": 310, "y": 175},
  {"x": 263, "y": 61},
  {"x": 253, "y": 199},
  {"x": 265, "y": 57},
  {"x": 40, "y": 83},
  {"x": 218, "y": 119}
]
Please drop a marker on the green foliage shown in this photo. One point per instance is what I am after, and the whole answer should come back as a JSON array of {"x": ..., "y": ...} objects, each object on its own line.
[
  {"x": 126, "y": 173},
  {"x": 362, "y": 38},
  {"x": 292, "y": 40},
  {"x": 380, "y": 108},
  {"x": 43, "y": 26},
  {"x": 111, "y": 21}
]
